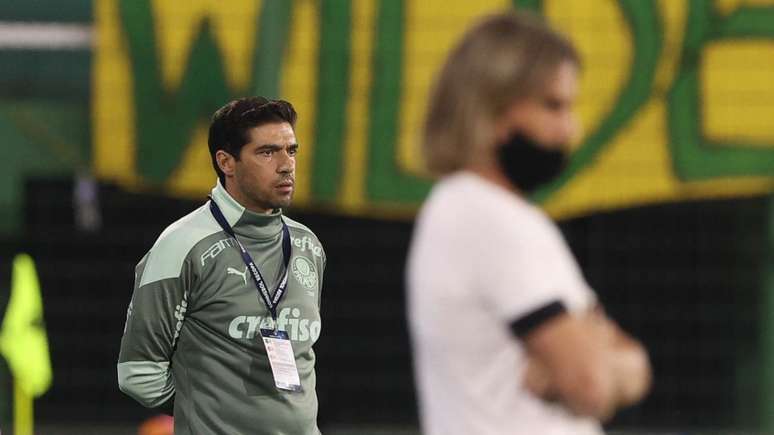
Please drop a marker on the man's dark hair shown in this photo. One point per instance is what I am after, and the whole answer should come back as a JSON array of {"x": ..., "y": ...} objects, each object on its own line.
[{"x": 231, "y": 123}]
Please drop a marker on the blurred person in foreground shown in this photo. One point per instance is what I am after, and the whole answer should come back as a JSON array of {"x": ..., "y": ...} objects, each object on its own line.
[
  {"x": 226, "y": 304},
  {"x": 508, "y": 337}
]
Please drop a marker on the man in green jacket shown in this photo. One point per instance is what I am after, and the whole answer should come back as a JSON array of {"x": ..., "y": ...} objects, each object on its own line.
[{"x": 226, "y": 304}]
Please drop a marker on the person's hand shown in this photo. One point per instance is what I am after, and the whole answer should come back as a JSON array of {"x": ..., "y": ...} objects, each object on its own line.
[{"x": 628, "y": 358}]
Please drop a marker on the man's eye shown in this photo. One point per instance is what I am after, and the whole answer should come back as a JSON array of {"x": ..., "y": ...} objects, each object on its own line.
[
  {"x": 553, "y": 105},
  {"x": 293, "y": 151}
]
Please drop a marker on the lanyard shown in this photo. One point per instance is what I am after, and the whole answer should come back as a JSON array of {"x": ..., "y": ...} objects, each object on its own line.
[{"x": 271, "y": 301}]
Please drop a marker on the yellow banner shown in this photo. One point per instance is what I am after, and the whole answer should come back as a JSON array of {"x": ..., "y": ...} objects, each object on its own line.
[{"x": 676, "y": 97}]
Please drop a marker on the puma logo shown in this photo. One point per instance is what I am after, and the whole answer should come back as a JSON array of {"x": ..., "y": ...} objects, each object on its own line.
[{"x": 232, "y": 271}]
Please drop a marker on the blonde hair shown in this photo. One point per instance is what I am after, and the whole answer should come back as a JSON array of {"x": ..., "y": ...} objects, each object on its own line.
[{"x": 503, "y": 58}]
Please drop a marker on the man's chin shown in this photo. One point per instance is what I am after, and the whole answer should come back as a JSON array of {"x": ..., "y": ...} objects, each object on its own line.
[
  {"x": 283, "y": 202},
  {"x": 273, "y": 202}
]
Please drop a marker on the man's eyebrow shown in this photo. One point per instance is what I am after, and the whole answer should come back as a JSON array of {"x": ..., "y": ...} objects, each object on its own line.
[{"x": 274, "y": 146}]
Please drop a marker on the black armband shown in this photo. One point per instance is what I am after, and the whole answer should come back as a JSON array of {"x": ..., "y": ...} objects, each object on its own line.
[{"x": 530, "y": 321}]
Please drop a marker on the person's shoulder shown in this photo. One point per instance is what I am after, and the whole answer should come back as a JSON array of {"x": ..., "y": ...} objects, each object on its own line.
[
  {"x": 189, "y": 229},
  {"x": 303, "y": 237},
  {"x": 165, "y": 259},
  {"x": 469, "y": 196},
  {"x": 525, "y": 221},
  {"x": 502, "y": 213},
  {"x": 455, "y": 184}
]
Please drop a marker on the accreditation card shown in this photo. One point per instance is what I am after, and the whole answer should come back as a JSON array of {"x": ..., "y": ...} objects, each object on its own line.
[{"x": 282, "y": 360}]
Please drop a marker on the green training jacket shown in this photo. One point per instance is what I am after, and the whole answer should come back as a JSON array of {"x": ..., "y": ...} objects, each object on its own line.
[{"x": 192, "y": 327}]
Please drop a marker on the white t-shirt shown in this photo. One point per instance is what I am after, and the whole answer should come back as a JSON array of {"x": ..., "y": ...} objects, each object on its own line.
[{"x": 482, "y": 260}]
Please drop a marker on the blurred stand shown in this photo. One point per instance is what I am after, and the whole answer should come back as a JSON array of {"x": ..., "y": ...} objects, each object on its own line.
[{"x": 86, "y": 203}]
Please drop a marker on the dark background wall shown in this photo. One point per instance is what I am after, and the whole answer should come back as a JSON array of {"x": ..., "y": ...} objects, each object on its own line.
[{"x": 683, "y": 277}]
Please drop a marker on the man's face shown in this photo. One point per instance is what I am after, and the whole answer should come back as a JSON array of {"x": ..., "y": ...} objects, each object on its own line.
[
  {"x": 264, "y": 175},
  {"x": 547, "y": 117}
]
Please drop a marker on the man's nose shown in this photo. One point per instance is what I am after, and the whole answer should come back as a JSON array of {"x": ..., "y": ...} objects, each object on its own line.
[{"x": 287, "y": 164}]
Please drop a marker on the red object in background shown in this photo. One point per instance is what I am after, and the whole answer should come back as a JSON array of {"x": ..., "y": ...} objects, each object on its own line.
[{"x": 159, "y": 425}]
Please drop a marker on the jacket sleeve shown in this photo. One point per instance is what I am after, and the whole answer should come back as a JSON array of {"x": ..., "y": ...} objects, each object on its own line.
[{"x": 153, "y": 324}]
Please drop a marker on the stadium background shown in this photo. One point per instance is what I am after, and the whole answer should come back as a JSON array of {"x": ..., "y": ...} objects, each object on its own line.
[{"x": 667, "y": 203}]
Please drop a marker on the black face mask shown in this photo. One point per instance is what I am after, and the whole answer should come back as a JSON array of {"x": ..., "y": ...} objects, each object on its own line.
[{"x": 528, "y": 165}]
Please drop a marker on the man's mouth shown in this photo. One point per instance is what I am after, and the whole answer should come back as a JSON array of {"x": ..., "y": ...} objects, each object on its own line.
[{"x": 285, "y": 185}]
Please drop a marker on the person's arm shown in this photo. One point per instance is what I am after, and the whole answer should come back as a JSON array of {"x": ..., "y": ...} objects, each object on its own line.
[
  {"x": 589, "y": 367},
  {"x": 154, "y": 319},
  {"x": 537, "y": 380},
  {"x": 587, "y": 363}
]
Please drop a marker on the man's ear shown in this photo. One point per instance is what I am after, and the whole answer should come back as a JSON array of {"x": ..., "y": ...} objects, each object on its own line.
[{"x": 226, "y": 162}]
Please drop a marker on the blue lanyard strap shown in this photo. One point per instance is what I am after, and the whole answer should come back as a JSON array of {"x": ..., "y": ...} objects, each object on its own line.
[{"x": 270, "y": 301}]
